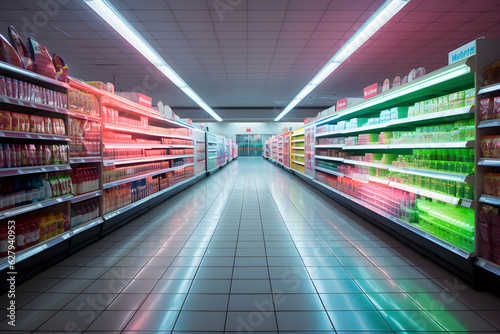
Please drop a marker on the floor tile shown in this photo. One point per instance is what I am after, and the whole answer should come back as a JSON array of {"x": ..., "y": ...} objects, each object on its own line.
[
  {"x": 111, "y": 321},
  {"x": 251, "y": 302},
  {"x": 163, "y": 302},
  {"x": 348, "y": 301},
  {"x": 337, "y": 286},
  {"x": 358, "y": 321},
  {"x": 393, "y": 301},
  {"x": 200, "y": 321},
  {"x": 304, "y": 321},
  {"x": 205, "y": 302},
  {"x": 417, "y": 321},
  {"x": 127, "y": 302},
  {"x": 298, "y": 302},
  {"x": 248, "y": 322},
  {"x": 210, "y": 286},
  {"x": 152, "y": 321}
]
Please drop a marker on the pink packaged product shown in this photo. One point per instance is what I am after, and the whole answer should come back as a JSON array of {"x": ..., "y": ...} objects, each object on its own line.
[
  {"x": 486, "y": 109},
  {"x": 8, "y": 54},
  {"x": 496, "y": 107},
  {"x": 61, "y": 68}
]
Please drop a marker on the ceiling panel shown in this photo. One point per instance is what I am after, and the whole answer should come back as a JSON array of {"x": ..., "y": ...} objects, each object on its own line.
[{"x": 259, "y": 53}]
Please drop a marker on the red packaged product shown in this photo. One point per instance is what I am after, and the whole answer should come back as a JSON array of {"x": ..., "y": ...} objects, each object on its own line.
[
  {"x": 21, "y": 49},
  {"x": 42, "y": 59},
  {"x": 8, "y": 54}
]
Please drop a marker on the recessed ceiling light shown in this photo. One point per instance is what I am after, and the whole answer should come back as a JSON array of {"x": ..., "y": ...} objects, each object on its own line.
[
  {"x": 370, "y": 27},
  {"x": 109, "y": 14}
]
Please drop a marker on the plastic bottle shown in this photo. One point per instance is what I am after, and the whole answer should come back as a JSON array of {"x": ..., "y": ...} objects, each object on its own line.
[
  {"x": 59, "y": 224},
  {"x": 7, "y": 156},
  {"x": 65, "y": 223},
  {"x": 2, "y": 159},
  {"x": 47, "y": 190},
  {"x": 40, "y": 189}
]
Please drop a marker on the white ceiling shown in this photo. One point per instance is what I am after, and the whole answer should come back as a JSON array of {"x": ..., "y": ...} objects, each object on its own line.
[{"x": 249, "y": 59}]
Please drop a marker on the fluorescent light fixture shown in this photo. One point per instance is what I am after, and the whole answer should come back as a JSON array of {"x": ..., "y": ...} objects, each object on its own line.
[
  {"x": 109, "y": 14},
  {"x": 370, "y": 27}
]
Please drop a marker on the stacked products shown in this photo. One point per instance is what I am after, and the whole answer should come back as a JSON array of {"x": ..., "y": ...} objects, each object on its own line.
[
  {"x": 27, "y": 155},
  {"x": 83, "y": 212},
  {"x": 125, "y": 194},
  {"x": 85, "y": 180},
  {"x": 22, "y": 90},
  {"x": 83, "y": 102},
  {"x": 489, "y": 227},
  {"x": 14, "y": 121},
  {"x": 113, "y": 173},
  {"x": 85, "y": 138},
  {"x": 112, "y": 116}
]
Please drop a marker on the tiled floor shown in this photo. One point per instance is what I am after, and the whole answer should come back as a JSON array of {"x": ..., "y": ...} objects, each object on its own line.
[{"x": 250, "y": 249}]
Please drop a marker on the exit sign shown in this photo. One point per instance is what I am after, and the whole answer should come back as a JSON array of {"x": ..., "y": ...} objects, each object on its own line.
[{"x": 249, "y": 129}]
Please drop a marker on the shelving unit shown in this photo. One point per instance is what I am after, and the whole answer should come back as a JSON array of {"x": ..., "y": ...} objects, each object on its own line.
[
  {"x": 297, "y": 150},
  {"x": 322, "y": 150}
]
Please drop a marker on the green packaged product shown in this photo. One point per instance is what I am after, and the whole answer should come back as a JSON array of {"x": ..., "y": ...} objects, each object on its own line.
[
  {"x": 452, "y": 188},
  {"x": 458, "y": 96},
  {"x": 468, "y": 191},
  {"x": 460, "y": 190}
]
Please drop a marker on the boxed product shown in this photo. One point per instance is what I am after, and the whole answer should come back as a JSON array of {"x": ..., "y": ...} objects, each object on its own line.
[
  {"x": 458, "y": 96},
  {"x": 469, "y": 97},
  {"x": 5, "y": 120},
  {"x": 491, "y": 184},
  {"x": 496, "y": 108},
  {"x": 486, "y": 108},
  {"x": 98, "y": 84}
]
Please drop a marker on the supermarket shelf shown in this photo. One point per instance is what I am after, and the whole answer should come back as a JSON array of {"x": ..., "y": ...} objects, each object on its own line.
[
  {"x": 302, "y": 175},
  {"x": 84, "y": 116},
  {"x": 85, "y": 160},
  {"x": 366, "y": 163},
  {"x": 298, "y": 162},
  {"x": 212, "y": 142},
  {"x": 86, "y": 226},
  {"x": 31, "y": 135},
  {"x": 420, "y": 120},
  {"x": 428, "y": 193},
  {"x": 298, "y": 155},
  {"x": 378, "y": 180},
  {"x": 459, "y": 74},
  {"x": 32, "y": 170},
  {"x": 144, "y": 159},
  {"x": 490, "y": 266},
  {"x": 32, "y": 105},
  {"x": 213, "y": 170},
  {"x": 286, "y": 168},
  {"x": 298, "y": 141},
  {"x": 489, "y": 199},
  {"x": 330, "y": 146},
  {"x": 22, "y": 74},
  {"x": 35, "y": 206},
  {"x": 450, "y": 247},
  {"x": 489, "y": 162},
  {"x": 86, "y": 196},
  {"x": 466, "y": 178},
  {"x": 298, "y": 148},
  {"x": 143, "y": 176},
  {"x": 297, "y": 134},
  {"x": 212, "y": 150},
  {"x": 325, "y": 170},
  {"x": 145, "y": 146},
  {"x": 118, "y": 102},
  {"x": 489, "y": 124},
  {"x": 453, "y": 144},
  {"x": 115, "y": 213},
  {"x": 321, "y": 157},
  {"x": 143, "y": 131},
  {"x": 212, "y": 157},
  {"x": 75, "y": 83},
  {"x": 490, "y": 88}
]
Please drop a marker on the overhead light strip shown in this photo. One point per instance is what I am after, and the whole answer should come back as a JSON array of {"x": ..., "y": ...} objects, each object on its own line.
[
  {"x": 109, "y": 14},
  {"x": 370, "y": 27}
]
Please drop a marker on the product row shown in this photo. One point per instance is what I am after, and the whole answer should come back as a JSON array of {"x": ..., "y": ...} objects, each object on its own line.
[
  {"x": 85, "y": 138},
  {"x": 84, "y": 180},
  {"x": 14, "y": 121},
  {"x": 83, "y": 102},
  {"x": 83, "y": 212},
  {"x": 22, "y": 90},
  {"x": 449, "y": 132},
  {"x": 28, "y": 189},
  {"x": 27, "y": 155}
]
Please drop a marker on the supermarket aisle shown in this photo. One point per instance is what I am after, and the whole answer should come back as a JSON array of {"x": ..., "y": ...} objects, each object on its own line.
[{"x": 250, "y": 249}]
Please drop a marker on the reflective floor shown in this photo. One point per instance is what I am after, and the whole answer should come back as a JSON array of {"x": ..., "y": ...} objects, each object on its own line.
[{"x": 250, "y": 249}]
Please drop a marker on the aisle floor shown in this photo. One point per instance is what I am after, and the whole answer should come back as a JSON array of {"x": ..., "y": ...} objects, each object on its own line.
[{"x": 250, "y": 249}]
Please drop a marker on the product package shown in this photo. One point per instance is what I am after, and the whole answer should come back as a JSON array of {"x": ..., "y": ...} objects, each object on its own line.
[
  {"x": 8, "y": 54},
  {"x": 18, "y": 44},
  {"x": 61, "y": 68},
  {"x": 42, "y": 59}
]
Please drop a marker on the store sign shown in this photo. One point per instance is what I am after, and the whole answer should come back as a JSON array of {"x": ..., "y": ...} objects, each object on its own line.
[
  {"x": 370, "y": 91},
  {"x": 249, "y": 129},
  {"x": 342, "y": 103},
  {"x": 463, "y": 52}
]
